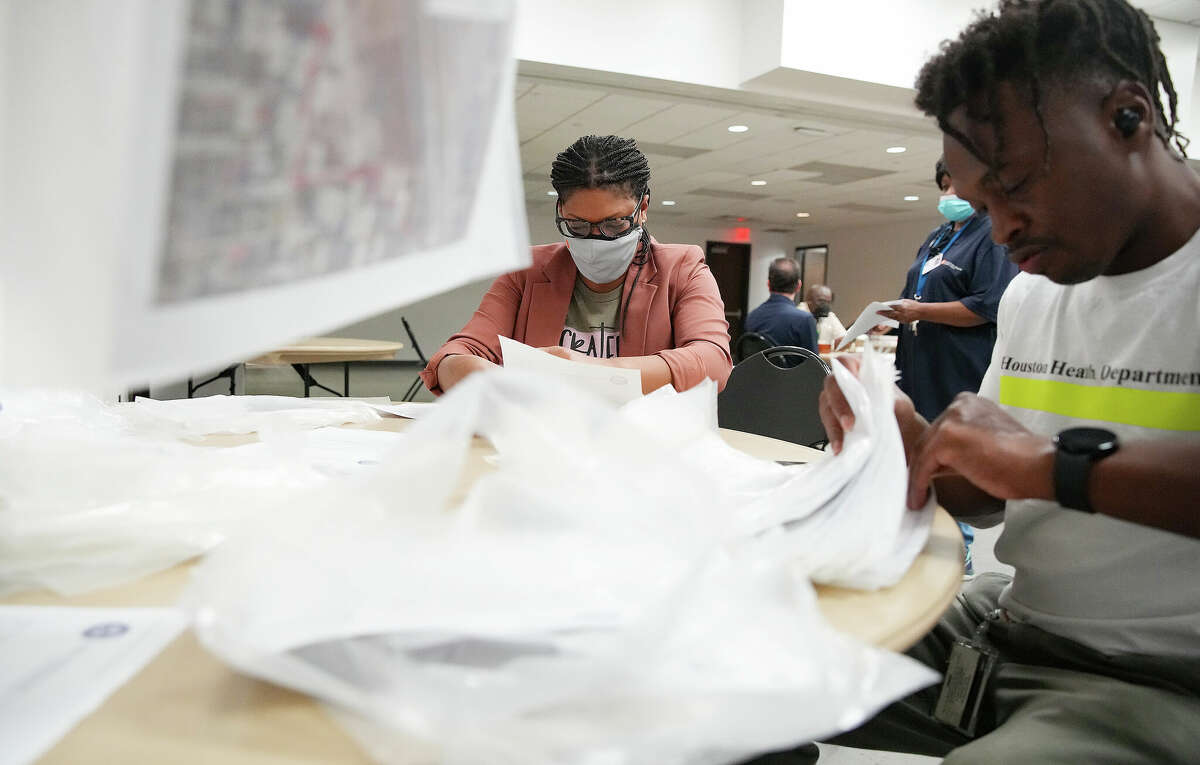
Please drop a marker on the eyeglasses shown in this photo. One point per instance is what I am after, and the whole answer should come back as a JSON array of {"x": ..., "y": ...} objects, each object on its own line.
[{"x": 609, "y": 228}]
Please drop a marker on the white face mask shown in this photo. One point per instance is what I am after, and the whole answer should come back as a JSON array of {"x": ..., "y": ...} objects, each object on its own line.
[{"x": 604, "y": 260}]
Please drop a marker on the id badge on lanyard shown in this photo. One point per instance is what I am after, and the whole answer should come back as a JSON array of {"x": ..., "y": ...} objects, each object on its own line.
[{"x": 933, "y": 258}]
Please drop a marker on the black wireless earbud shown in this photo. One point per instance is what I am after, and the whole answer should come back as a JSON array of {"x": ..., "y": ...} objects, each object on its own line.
[{"x": 1127, "y": 121}]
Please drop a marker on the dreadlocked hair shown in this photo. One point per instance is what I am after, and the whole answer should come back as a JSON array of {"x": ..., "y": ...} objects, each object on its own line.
[
  {"x": 606, "y": 162},
  {"x": 1032, "y": 43}
]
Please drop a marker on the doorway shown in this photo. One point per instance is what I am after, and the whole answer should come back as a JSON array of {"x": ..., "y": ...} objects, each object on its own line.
[
  {"x": 814, "y": 265},
  {"x": 730, "y": 266}
]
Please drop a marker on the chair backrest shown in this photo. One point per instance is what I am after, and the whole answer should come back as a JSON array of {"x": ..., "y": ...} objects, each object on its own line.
[
  {"x": 767, "y": 399},
  {"x": 413, "y": 339},
  {"x": 749, "y": 344}
]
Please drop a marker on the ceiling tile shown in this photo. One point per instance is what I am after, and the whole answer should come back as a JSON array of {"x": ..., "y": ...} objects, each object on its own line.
[
  {"x": 544, "y": 106},
  {"x": 614, "y": 113},
  {"x": 835, "y": 175},
  {"x": 678, "y": 120}
]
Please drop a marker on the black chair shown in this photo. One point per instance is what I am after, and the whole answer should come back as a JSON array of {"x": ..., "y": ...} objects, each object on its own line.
[
  {"x": 765, "y": 397},
  {"x": 411, "y": 393},
  {"x": 749, "y": 344}
]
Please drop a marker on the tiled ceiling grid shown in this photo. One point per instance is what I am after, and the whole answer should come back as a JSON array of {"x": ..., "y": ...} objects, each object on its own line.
[{"x": 837, "y": 172}]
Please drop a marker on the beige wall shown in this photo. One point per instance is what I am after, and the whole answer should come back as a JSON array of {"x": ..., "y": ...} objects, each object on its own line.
[{"x": 869, "y": 262}]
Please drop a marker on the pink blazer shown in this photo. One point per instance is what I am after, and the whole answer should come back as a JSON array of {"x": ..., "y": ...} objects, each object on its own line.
[{"x": 675, "y": 312}]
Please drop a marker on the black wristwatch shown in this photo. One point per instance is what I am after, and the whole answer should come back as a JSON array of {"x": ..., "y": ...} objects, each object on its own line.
[{"x": 1078, "y": 450}]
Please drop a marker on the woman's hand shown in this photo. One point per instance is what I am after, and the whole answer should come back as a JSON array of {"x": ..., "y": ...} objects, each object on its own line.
[
  {"x": 905, "y": 311},
  {"x": 654, "y": 369},
  {"x": 570, "y": 355},
  {"x": 452, "y": 369}
]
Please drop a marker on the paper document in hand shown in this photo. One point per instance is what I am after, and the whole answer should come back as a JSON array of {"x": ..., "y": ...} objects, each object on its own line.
[
  {"x": 610, "y": 383},
  {"x": 870, "y": 317},
  {"x": 58, "y": 664}
]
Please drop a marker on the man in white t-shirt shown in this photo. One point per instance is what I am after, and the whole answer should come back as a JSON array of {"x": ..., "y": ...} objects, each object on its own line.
[{"x": 1085, "y": 435}]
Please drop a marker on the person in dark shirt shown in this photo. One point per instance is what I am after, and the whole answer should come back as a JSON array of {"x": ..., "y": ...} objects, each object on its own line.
[
  {"x": 947, "y": 311},
  {"x": 948, "y": 307},
  {"x": 778, "y": 318}
]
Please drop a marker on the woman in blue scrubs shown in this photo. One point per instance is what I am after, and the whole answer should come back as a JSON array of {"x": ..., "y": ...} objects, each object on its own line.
[{"x": 948, "y": 308}]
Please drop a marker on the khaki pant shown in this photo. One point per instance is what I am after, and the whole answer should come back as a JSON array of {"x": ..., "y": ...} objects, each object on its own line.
[{"x": 1051, "y": 701}]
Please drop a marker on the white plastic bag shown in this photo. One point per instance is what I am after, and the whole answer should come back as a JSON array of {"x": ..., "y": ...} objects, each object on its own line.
[
  {"x": 88, "y": 499},
  {"x": 624, "y": 588},
  {"x": 198, "y": 417}
]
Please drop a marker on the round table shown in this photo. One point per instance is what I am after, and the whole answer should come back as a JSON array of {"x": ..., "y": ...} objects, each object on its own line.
[
  {"x": 327, "y": 350},
  {"x": 185, "y": 706}
]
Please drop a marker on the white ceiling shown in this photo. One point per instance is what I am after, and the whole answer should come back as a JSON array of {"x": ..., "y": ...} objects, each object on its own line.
[
  {"x": 1186, "y": 11},
  {"x": 712, "y": 186},
  {"x": 706, "y": 170}
]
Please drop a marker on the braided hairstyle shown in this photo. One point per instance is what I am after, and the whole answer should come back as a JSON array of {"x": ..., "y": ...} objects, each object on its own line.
[
  {"x": 1030, "y": 43},
  {"x": 606, "y": 162}
]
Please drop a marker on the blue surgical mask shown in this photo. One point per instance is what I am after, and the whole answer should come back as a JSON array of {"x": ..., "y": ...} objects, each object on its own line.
[
  {"x": 954, "y": 209},
  {"x": 604, "y": 260}
]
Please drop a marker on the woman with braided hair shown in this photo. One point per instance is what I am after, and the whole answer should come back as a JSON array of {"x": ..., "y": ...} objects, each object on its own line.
[{"x": 609, "y": 293}]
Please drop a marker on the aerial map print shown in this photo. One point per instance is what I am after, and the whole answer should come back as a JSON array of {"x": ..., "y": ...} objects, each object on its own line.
[{"x": 317, "y": 136}]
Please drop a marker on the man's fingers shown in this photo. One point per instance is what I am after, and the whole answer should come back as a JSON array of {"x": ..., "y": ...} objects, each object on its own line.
[
  {"x": 835, "y": 412},
  {"x": 928, "y": 459},
  {"x": 833, "y": 428}
]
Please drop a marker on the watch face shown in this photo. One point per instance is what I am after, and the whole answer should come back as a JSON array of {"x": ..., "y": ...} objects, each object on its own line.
[{"x": 1087, "y": 440}]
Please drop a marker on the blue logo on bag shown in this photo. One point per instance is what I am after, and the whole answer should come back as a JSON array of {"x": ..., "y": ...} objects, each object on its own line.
[{"x": 106, "y": 630}]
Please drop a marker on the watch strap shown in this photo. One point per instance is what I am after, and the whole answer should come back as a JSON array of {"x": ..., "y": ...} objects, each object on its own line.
[{"x": 1071, "y": 472}]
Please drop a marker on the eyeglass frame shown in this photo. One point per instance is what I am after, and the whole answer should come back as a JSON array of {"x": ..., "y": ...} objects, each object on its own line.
[{"x": 560, "y": 220}]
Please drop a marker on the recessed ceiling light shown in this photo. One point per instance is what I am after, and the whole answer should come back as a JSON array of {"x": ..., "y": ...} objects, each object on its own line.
[
  {"x": 802, "y": 215},
  {"x": 911, "y": 198},
  {"x": 551, "y": 193},
  {"x": 669, "y": 202},
  {"x": 758, "y": 183},
  {"x": 738, "y": 128},
  {"x": 896, "y": 149}
]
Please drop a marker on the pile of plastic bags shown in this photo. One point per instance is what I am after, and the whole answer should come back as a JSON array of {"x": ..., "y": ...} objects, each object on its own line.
[
  {"x": 622, "y": 588},
  {"x": 94, "y": 495},
  {"x": 617, "y": 586}
]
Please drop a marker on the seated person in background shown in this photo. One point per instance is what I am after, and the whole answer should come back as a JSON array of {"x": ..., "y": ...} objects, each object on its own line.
[
  {"x": 778, "y": 318},
  {"x": 818, "y": 300},
  {"x": 610, "y": 294},
  {"x": 1052, "y": 123}
]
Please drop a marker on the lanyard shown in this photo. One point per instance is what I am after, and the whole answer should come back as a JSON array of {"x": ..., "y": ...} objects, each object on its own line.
[{"x": 935, "y": 246}]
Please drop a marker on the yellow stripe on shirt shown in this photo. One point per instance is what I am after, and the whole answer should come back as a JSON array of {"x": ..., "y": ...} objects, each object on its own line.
[{"x": 1163, "y": 410}]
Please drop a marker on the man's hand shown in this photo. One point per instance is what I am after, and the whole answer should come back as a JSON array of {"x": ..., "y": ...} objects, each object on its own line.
[
  {"x": 905, "y": 311},
  {"x": 452, "y": 369},
  {"x": 976, "y": 439},
  {"x": 838, "y": 418}
]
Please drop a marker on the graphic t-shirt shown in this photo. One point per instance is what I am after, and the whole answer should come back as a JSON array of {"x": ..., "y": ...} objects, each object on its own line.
[
  {"x": 591, "y": 324},
  {"x": 1121, "y": 353}
]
